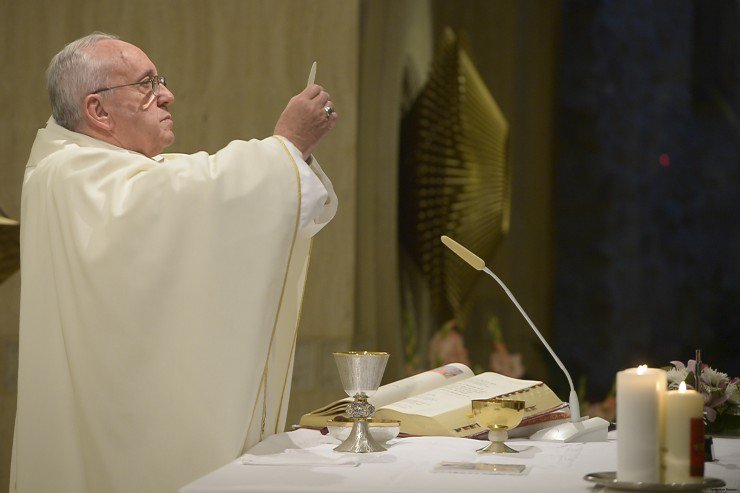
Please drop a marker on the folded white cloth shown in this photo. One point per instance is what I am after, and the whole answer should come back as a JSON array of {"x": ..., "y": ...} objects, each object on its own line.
[{"x": 298, "y": 457}]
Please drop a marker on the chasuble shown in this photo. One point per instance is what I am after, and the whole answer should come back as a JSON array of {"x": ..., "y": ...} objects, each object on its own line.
[{"x": 159, "y": 309}]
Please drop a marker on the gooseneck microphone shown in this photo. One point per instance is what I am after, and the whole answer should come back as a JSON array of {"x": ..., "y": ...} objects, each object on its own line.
[
  {"x": 477, "y": 263},
  {"x": 580, "y": 429}
]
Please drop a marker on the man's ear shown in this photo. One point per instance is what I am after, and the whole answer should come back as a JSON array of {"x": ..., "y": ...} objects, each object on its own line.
[{"x": 95, "y": 114}]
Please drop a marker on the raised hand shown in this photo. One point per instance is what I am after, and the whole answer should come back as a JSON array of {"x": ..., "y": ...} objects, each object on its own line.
[{"x": 307, "y": 118}]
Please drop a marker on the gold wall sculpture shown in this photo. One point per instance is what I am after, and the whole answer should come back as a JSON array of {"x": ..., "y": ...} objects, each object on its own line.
[
  {"x": 9, "y": 247},
  {"x": 455, "y": 176}
]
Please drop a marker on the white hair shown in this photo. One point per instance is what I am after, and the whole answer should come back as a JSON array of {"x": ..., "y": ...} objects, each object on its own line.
[{"x": 73, "y": 74}]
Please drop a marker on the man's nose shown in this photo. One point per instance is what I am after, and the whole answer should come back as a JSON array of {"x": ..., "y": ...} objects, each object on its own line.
[{"x": 165, "y": 96}]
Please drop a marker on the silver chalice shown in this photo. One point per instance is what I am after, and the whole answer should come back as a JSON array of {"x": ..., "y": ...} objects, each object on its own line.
[{"x": 361, "y": 372}]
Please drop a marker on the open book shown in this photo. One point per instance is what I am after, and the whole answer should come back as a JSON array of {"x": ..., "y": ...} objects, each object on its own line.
[{"x": 437, "y": 402}]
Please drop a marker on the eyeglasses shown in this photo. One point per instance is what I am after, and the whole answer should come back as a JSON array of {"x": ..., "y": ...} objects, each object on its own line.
[{"x": 154, "y": 81}]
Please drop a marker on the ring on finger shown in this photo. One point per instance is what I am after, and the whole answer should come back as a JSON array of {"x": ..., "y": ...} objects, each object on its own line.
[{"x": 329, "y": 111}]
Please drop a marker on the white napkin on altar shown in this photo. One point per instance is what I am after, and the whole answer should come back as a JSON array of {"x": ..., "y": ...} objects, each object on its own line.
[{"x": 298, "y": 457}]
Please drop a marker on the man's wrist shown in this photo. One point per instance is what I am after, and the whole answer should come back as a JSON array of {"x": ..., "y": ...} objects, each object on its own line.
[{"x": 294, "y": 150}]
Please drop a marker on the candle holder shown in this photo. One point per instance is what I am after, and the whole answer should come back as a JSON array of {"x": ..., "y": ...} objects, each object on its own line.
[
  {"x": 608, "y": 479},
  {"x": 361, "y": 372},
  {"x": 499, "y": 416}
]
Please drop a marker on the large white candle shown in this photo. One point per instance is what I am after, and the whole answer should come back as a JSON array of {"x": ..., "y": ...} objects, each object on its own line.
[
  {"x": 683, "y": 458},
  {"x": 640, "y": 394}
]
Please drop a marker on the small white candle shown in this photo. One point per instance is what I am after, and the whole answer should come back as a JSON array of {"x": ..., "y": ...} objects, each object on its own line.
[
  {"x": 640, "y": 394},
  {"x": 683, "y": 458}
]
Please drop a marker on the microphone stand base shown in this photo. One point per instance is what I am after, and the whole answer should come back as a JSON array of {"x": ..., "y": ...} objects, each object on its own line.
[{"x": 585, "y": 430}]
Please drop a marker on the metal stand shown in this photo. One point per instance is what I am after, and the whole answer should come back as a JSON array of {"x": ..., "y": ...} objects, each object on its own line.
[{"x": 360, "y": 440}]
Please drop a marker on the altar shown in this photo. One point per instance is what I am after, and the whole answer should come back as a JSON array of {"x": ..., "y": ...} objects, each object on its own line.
[{"x": 303, "y": 461}]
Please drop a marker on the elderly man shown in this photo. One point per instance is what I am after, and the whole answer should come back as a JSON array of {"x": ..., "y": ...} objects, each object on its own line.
[{"x": 160, "y": 292}]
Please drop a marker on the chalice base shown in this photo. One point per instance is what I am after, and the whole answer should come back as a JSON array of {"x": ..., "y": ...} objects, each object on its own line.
[
  {"x": 497, "y": 448},
  {"x": 496, "y": 436},
  {"x": 360, "y": 441}
]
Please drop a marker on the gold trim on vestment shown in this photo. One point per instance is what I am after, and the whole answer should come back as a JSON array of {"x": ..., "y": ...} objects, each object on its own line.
[
  {"x": 265, "y": 373},
  {"x": 295, "y": 330}
]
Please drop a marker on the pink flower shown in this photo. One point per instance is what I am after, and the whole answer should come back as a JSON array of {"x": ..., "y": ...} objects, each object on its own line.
[
  {"x": 501, "y": 360},
  {"x": 712, "y": 385},
  {"x": 505, "y": 363},
  {"x": 447, "y": 346},
  {"x": 606, "y": 409}
]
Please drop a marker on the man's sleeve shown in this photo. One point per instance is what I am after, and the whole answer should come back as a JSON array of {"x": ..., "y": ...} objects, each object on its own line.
[{"x": 318, "y": 200}]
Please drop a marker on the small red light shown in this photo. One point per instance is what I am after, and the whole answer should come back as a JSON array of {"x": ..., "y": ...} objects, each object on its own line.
[{"x": 664, "y": 160}]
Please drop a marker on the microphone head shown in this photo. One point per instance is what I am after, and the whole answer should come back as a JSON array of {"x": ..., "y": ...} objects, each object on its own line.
[{"x": 475, "y": 261}]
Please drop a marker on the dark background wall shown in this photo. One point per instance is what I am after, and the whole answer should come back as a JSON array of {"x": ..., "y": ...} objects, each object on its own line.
[
  {"x": 625, "y": 153},
  {"x": 646, "y": 186}
]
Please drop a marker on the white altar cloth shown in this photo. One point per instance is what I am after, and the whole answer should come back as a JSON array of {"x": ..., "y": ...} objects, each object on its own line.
[{"x": 303, "y": 461}]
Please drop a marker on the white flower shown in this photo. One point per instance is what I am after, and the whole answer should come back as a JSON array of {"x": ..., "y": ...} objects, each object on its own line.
[
  {"x": 713, "y": 377},
  {"x": 733, "y": 393},
  {"x": 676, "y": 376}
]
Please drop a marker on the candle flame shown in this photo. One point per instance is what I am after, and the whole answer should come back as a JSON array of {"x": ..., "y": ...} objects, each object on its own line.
[
  {"x": 642, "y": 369},
  {"x": 682, "y": 387}
]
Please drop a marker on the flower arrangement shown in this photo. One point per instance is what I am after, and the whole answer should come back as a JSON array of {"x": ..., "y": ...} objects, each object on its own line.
[
  {"x": 606, "y": 409},
  {"x": 448, "y": 346},
  {"x": 721, "y": 393},
  {"x": 501, "y": 360}
]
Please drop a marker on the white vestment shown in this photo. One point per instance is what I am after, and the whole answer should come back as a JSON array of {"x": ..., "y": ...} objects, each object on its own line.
[{"x": 159, "y": 308}]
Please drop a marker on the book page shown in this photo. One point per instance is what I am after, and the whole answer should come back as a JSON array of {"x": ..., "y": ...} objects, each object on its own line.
[
  {"x": 420, "y": 383},
  {"x": 459, "y": 394},
  {"x": 335, "y": 407},
  {"x": 399, "y": 390}
]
